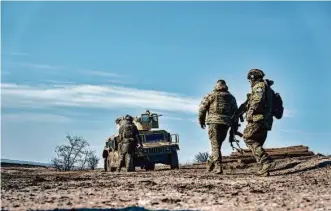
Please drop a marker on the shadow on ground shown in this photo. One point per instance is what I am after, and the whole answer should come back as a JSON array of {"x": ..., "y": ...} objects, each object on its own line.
[
  {"x": 319, "y": 165},
  {"x": 287, "y": 166},
  {"x": 110, "y": 209}
]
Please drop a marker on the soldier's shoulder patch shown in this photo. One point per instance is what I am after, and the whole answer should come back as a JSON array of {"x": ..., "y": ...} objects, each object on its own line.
[{"x": 259, "y": 89}]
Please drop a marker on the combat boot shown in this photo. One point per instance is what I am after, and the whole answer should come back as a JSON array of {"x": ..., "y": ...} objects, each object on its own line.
[
  {"x": 265, "y": 168},
  {"x": 210, "y": 166},
  {"x": 218, "y": 169}
]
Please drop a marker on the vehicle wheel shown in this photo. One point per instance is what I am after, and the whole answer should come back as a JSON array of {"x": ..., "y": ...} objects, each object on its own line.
[
  {"x": 174, "y": 164},
  {"x": 129, "y": 164},
  {"x": 150, "y": 167}
]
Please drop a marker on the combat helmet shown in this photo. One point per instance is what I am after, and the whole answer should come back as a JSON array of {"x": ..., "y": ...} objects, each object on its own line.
[
  {"x": 255, "y": 74},
  {"x": 129, "y": 118}
]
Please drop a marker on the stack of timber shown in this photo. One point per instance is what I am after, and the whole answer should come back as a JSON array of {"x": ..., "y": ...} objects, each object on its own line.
[
  {"x": 246, "y": 157},
  {"x": 275, "y": 153}
]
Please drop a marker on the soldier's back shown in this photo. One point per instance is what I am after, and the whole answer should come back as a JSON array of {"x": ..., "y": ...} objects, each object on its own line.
[{"x": 221, "y": 107}]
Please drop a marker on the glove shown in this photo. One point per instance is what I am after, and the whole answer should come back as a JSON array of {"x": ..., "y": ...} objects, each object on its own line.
[{"x": 203, "y": 125}]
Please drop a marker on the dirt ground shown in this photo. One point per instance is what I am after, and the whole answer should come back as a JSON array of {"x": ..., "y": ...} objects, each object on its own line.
[{"x": 298, "y": 184}]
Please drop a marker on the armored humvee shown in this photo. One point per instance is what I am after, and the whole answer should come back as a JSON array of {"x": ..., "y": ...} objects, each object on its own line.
[{"x": 159, "y": 146}]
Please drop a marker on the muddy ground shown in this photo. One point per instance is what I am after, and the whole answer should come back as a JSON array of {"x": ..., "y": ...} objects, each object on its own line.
[{"x": 299, "y": 184}]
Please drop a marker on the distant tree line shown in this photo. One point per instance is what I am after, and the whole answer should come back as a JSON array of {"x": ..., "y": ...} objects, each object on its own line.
[{"x": 75, "y": 155}]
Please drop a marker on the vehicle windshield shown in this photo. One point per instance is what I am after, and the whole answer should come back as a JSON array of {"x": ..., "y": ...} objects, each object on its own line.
[{"x": 154, "y": 137}]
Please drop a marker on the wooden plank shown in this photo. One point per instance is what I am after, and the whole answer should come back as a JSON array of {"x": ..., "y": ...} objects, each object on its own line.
[
  {"x": 275, "y": 150},
  {"x": 275, "y": 154}
]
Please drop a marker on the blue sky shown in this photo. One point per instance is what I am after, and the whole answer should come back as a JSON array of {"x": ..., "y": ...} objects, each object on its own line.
[{"x": 72, "y": 67}]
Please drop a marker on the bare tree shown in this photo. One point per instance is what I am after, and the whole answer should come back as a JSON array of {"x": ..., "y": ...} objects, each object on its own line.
[
  {"x": 82, "y": 162},
  {"x": 89, "y": 160},
  {"x": 201, "y": 157},
  {"x": 69, "y": 155},
  {"x": 92, "y": 160}
]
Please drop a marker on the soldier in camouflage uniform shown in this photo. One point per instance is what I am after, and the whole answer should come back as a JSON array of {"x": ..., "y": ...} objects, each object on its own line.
[
  {"x": 129, "y": 137},
  {"x": 259, "y": 120},
  {"x": 220, "y": 105}
]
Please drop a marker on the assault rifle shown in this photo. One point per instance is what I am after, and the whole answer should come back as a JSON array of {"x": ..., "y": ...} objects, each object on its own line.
[
  {"x": 235, "y": 125},
  {"x": 233, "y": 132}
]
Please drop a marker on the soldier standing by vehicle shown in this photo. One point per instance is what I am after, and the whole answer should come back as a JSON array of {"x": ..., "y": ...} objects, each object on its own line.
[
  {"x": 259, "y": 115},
  {"x": 129, "y": 137},
  {"x": 220, "y": 105}
]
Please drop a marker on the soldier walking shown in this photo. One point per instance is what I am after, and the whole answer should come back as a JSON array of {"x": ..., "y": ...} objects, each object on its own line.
[
  {"x": 219, "y": 106},
  {"x": 259, "y": 118},
  {"x": 129, "y": 137}
]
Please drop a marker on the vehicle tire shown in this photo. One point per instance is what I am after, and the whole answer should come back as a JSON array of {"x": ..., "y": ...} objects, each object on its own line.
[
  {"x": 174, "y": 164},
  {"x": 129, "y": 163},
  {"x": 150, "y": 166}
]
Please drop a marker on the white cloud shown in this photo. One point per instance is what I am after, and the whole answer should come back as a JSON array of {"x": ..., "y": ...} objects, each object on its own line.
[
  {"x": 93, "y": 96},
  {"x": 117, "y": 82},
  {"x": 58, "y": 82},
  {"x": 102, "y": 73},
  {"x": 35, "y": 117},
  {"x": 39, "y": 66}
]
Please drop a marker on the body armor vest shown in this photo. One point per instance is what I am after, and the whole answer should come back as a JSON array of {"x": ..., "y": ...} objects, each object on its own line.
[
  {"x": 221, "y": 104},
  {"x": 128, "y": 134}
]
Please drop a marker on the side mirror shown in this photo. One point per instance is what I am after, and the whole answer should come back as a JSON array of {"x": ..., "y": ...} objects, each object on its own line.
[{"x": 174, "y": 138}]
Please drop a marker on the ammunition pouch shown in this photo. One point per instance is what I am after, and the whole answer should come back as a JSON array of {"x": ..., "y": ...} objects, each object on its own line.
[
  {"x": 128, "y": 140},
  {"x": 127, "y": 148}
]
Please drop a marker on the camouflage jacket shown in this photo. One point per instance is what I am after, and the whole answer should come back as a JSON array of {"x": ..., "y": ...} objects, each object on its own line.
[
  {"x": 127, "y": 131},
  {"x": 258, "y": 109},
  {"x": 219, "y": 106}
]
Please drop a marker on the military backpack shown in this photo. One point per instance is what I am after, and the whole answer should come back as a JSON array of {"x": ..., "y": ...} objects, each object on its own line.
[
  {"x": 128, "y": 131},
  {"x": 277, "y": 103}
]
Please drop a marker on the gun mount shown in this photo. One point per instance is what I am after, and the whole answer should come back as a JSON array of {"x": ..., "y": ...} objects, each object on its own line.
[{"x": 147, "y": 121}]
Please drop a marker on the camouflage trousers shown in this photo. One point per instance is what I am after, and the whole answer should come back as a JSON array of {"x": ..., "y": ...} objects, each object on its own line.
[
  {"x": 255, "y": 135},
  {"x": 123, "y": 151},
  {"x": 121, "y": 160},
  {"x": 217, "y": 134}
]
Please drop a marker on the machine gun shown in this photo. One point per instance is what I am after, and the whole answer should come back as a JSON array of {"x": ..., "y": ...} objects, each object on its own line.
[{"x": 235, "y": 125}]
